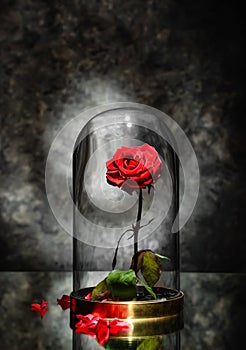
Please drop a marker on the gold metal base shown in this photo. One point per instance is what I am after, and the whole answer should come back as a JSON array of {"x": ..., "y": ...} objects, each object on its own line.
[{"x": 148, "y": 317}]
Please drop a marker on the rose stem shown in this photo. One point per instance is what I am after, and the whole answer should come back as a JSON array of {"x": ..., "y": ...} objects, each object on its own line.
[{"x": 137, "y": 226}]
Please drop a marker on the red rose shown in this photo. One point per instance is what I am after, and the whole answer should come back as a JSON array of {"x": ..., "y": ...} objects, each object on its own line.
[{"x": 134, "y": 167}]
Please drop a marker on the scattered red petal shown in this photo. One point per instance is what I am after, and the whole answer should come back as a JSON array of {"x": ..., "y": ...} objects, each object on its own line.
[
  {"x": 85, "y": 330},
  {"x": 89, "y": 322},
  {"x": 109, "y": 299},
  {"x": 36, "y": 307},
  {"x": 102, "y": 331},
  {"x": 43, "y": 312},
  {"x": 43, "y": 303},
  {"x": 88, "y": 296},
  {"x": 117, "y": 326},
  {"x": 64, "y": 302},
  {"x": 88, "y": 317},
  {"x": 41, "y": 308},
  {"x": 100, "y": 328}
]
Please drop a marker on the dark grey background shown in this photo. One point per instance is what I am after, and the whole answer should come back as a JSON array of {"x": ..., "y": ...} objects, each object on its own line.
[{"x": 182, "y": 57}]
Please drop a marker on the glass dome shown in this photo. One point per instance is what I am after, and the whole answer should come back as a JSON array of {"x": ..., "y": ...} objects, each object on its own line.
[{"x": 126, "y": 199}]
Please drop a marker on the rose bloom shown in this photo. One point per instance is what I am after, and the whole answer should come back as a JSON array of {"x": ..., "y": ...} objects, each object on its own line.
[{"x": 134, "y": 167}]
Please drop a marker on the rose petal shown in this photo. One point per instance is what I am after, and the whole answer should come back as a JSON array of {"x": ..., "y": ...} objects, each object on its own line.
[
  {"x": 85, "y": 330},
  {"x": 44, "y": 303},
  {"x": 64, "y": 302},
  {"x": 115, "y": 181},
  {"x": 88, "y": 296},
  {"x": 43, "y": 312},
  {"x": 102, "y": 331},
  {"x": 41, "y": 308},
  {"x": 35, "y": 307},
  {"x": 89, "y": 321},
  {"x": 117, "y": 326}
]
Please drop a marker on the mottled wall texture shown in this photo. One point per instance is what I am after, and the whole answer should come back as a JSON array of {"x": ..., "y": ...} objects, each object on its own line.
[{"x": 185, "y": 58}]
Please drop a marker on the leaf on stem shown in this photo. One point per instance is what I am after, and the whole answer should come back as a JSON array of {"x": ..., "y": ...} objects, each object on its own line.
[
  {"x": 139, "y": 257},
  {"x": 122, "y": 284},
  {"x": 100, "y": 292},
  {"x": 151, "y": 268}
]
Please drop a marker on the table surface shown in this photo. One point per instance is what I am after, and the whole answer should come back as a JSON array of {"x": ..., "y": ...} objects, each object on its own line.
[{"x": 213, "y": 313}]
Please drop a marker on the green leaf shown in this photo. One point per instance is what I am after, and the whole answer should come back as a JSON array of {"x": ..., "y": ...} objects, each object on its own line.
[
  {"x": 151, "y": 268},
  {"x": 137, "y": 261},
  {"x": 127, "y": 277},
  {"x": 148, "y": 288},
  {"x": 153, "y": 343},
  {"x": 122, "y": 284},
  {"x": 100, "y": 292}
]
